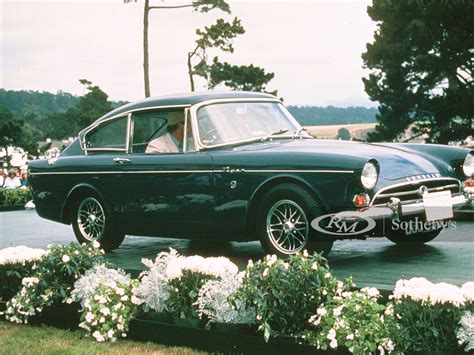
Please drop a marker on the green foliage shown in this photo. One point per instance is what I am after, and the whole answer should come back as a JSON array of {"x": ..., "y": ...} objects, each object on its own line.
[
  {"x": 14, "y": 132},
  {"x": 184, "y": 293},
  {"x": 421, "y": 68},
  {"x": 53, "y": 279},
  {"x": 208, "y": 5},
  {"x": 425, "y": 327},
  {"x": 34, "y": 104},
  {"x": 344, "y": 134},
  {"x": 239, "y": 77},
  {"x": 354, "y": 321},
  {"x": 11, "y": 197},
  {"x": 107, "y": 312},
  {"x": 285, "y": 293},
  {"x": 11, "y": 276}
]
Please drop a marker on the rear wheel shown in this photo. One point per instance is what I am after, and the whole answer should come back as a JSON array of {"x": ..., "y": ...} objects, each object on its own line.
[
  {"x": 284, "y": 222},
  {"x": 400, "y": 237},
  {"x": 91, "y": 221}
]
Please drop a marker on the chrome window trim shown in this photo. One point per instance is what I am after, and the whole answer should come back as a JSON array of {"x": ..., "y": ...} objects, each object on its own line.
[
  {"x": 412, "y": 183},
  {"x": 95, "y": 124},
  {"x": 82, "y": 139},
  {"x": 196, "y": 107}
]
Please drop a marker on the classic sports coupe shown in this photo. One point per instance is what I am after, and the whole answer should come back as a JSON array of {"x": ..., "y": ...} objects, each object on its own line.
[{"x": 242, "y": 169}]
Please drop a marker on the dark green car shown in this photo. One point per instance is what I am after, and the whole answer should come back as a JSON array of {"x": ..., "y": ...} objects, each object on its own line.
[{"x": 237, "y": 166}]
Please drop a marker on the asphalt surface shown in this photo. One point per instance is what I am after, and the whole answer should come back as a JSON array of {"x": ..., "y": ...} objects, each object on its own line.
[{"x": 375, "y": 262}]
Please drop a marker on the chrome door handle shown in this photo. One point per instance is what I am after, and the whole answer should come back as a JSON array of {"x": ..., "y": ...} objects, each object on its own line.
[{"x": 122, "y": 161}]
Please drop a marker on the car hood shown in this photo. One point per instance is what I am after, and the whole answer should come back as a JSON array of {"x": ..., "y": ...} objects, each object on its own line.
[{"x": 394, "y": 163}]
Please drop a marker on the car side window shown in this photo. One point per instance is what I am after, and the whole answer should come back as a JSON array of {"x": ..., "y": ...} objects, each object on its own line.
[
  {"x": 161, "y": 132},
  {"x": 147, "y": 126},
  {"x": 110, "y": 135}
]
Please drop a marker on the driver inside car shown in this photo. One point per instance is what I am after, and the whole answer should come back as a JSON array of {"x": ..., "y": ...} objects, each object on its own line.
[{"x": 172, "y": 140}]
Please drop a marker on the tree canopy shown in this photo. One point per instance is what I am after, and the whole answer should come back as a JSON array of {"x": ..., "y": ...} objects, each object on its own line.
[{"x": 421, "y": 68}]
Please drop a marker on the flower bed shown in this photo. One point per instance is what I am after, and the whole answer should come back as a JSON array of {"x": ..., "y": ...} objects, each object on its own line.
[{"x": 292, "y": 305}]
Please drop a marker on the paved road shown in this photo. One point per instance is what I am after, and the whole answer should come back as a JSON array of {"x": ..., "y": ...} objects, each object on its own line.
[{"x": 376, "y": 262}]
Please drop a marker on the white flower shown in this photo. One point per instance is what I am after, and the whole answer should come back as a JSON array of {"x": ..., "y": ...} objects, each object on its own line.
[
  {"x": 305, "y": 253},
  {"x": 89, "y": 317},
  {"x": 102, "y": 320},
  {"x": 124, "y": 298},
  {"x": 20, "y": 255},
  {"x": 96, "y": 244},
  {"x": 468, "y": 291},
  {"x": 389, "y": 310},
  {"x": 321, "y": 311},
  {"x": 66, "y": 258},
  {"x": 272, "y": 260},
  {"x": 265, "y": 272},
  {"x": 110, "y": 334},
  {"x": 315, "y": 266},
  {"x": 337, "y": 311},
  {"x": 98, "y": 336},
  {"x": 371, "y": 291},
  {"x": 136, "y": 301},
  {"x": 350, "y": 336},
  {"x": 105, "y": 311},
  {"x": 333, "y": 344},
  {"x": 331, "y": 334}
]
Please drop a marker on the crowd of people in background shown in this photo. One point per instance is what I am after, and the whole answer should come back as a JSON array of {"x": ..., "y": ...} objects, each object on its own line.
[{"x": 13, "y": 178}]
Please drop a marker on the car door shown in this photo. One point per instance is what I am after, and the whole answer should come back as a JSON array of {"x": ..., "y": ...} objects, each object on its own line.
[
  {"x": 105, "y": 145},
  {"x": 165, "y": 194}
]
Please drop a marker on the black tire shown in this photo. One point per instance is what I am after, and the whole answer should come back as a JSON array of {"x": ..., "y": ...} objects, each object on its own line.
[
  {"x": 295, "y": 234},
  {"x": 92, "y": 221},
  {"x": 400, "y": 237}
]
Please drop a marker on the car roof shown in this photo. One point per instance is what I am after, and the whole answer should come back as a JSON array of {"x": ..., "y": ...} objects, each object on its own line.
[{"x": 185, "y": 99}]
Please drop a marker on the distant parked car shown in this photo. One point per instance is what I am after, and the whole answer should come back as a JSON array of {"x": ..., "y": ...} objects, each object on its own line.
[{"x": 242, "y": 168}]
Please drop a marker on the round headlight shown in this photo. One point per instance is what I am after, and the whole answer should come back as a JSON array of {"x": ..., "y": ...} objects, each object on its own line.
[
  {"x": 369, "y": 176},
  {"x": 468, "y": 165}
]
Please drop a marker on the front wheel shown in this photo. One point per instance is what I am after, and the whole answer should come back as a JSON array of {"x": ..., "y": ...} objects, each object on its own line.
[
  {"x": 92, "y": 222},
  {"x": 284, "y": 222}
]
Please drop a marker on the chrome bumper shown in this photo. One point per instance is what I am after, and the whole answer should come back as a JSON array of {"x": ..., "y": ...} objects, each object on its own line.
[{"x": 397, "y": 209}]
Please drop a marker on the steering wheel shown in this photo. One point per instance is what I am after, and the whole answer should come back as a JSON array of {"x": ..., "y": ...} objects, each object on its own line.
[{"x": 207, "y": 139}]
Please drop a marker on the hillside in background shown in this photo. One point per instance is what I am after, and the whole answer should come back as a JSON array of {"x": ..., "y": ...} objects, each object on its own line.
[
  {"x": 330, "y": 115},
  {"x": 27, "y": 104}
]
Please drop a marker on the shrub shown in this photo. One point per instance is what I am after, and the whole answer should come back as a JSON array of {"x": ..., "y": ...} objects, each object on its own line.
[
  {"x": 173, "y": 282},
  {"x": 99, "y": 275},
  {"x": 11, "y": 197},
  {"x": 428, "y": 315},
  {"x": 465, "y": 333},
  {"x": 214, "y": 302},
  {"x": 108, "y": 311},
  {"x": 53, "y": 279},
  {"x": 15, "y": 264},
  {"x": 355, "y": 321},
  {"x": 285, "y": 293}
]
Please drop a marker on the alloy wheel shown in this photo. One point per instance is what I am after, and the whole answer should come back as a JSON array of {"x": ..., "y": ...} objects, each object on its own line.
[
  {"x": 287, "y": 227},
  {"x": 91, "y": 219}
]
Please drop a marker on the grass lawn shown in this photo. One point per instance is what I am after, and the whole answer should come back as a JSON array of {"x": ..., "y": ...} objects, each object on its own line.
[{"x": 27, "y": 339}]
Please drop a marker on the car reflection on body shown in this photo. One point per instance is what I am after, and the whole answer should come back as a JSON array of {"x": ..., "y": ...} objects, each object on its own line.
[{"x": 247, "y": 171}]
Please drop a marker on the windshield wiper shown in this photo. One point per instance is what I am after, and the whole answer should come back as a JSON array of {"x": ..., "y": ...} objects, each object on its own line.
[{"x": 276, "y": 133}]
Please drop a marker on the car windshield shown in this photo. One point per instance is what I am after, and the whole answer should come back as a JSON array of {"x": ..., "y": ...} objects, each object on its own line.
[{"x": 225, "y": 123}]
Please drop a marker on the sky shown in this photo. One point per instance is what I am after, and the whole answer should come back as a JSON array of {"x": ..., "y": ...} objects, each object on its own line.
[{"x": 313, "y": 47}]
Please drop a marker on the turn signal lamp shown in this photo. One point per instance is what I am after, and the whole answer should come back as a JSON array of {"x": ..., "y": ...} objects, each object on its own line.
[{"x": 361, "y": 200}]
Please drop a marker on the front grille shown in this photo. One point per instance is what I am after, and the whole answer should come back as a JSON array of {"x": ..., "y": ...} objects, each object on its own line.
[{"x": 408, "y": 192}]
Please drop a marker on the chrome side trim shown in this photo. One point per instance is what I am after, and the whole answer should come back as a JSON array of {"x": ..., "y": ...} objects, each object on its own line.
[
  {"x": 413, "y": 183},
  {"x": 187, "y": 171}
]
